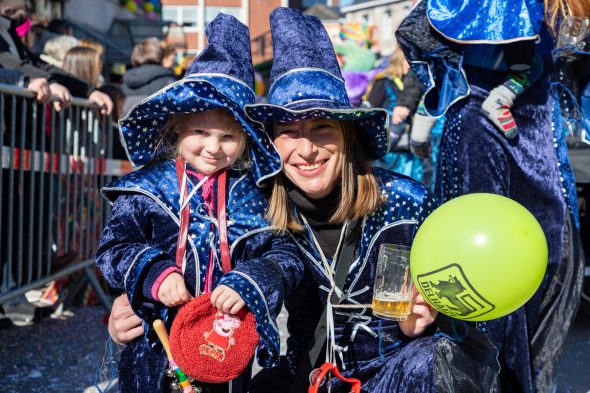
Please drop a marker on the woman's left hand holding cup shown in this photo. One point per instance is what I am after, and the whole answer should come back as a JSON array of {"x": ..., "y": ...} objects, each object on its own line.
[{"x": 422, "y": 316}]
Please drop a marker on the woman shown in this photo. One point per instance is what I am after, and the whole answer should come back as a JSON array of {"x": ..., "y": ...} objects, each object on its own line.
[
  {"x": 532, "y": 168},
  {"x": 398, "y": 90},
  {"x": 326, "y": 196},
  {"x": 83, "y": 62}
]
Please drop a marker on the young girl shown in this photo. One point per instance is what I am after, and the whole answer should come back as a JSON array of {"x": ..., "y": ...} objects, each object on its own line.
[{"x": 193, "y": 139}]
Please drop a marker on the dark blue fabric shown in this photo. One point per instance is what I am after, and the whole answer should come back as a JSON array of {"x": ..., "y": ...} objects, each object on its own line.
[
  {"x": 437, "y": 61},
  {"x": 141, "y": 235},
  {"x": 476, "y": 157},
  {"x": 378, "y": 353},
  {"x": 300, "y": 41},
  {"x": 227, "y": 51},
  {"x": 492, "y": 21},
  {"x": 306, "y": 81}
]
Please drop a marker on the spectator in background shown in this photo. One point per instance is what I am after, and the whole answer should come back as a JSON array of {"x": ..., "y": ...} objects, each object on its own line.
[
  {"x": 84, "y": 63},
  {"x": 15, "y": 55},
  {"x": 55, "y": 28},
  {"x": 56, "y": 48},
  {"x": 168, "y": 56},
  {"x": 147, "y": 75},
  {"x": 86, "y": 43},
  {"x": 398, "y": 90},
  {"x": 39, "y": 86},
  {"x": 118, "y": 98}
]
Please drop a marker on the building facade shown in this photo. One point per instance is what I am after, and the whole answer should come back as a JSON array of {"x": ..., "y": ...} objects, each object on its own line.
[{"x": 384, "y": 15}]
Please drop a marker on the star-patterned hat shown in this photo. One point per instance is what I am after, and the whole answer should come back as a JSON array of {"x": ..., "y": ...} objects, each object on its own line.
[
  {"x": 306, "y": 81},
  {"x": 221, "y": 77}
]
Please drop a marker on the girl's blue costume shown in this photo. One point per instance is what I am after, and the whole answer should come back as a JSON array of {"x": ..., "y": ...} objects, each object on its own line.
[
  {"x": 450, "y": 357},
  {"x": 139, "y": 242},
  {"x": 533, "y": 169}
]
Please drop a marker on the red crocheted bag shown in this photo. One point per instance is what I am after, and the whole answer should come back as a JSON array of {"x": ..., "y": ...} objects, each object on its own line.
[{"x": 212, "y": 346}]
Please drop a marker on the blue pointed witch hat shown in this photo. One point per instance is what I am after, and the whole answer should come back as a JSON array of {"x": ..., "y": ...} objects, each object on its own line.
[
  {"x": 221, "y": 77},
  {"x": 306, "y": 81}
]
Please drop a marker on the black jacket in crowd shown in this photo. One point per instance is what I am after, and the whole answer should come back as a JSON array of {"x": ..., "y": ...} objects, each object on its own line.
[{"x": 143, "y": 81}]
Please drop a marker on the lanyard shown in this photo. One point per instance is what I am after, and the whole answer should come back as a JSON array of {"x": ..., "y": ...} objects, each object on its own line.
[{"x": 185, "y": 198}]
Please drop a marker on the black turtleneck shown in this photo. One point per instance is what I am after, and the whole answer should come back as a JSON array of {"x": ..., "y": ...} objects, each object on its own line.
[{"x": 317, "y": 212}]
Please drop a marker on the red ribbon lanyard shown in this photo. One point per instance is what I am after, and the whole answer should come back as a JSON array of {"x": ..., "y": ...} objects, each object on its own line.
[
  {"x": 221, "y": 219},
  {"x": 184, "y": 216}
]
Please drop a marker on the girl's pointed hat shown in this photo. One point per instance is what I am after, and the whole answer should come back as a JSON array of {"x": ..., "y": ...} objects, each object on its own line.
[{"x": 221, "y": 77}]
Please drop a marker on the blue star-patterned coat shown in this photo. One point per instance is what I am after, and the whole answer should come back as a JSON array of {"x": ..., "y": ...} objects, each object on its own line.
[
  {"x": 139, "y": 242},
  {"x": 377, "y": 351}
]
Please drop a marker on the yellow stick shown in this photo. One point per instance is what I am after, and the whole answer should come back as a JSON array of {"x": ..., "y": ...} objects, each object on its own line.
[{"x": 163, "y": 336}]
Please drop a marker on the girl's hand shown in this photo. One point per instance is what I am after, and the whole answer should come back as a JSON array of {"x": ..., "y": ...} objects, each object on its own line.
[
  {"x": 422, "y": 316},
  {"x": 172, "y": 291},
  {"x": 227, "y": 300}
]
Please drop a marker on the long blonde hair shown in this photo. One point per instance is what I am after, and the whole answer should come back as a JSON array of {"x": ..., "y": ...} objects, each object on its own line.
[{"x": 359, "y": 194}]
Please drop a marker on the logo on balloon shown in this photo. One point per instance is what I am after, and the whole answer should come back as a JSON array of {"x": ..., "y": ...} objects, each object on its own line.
[{"x": 449, "y": 290}]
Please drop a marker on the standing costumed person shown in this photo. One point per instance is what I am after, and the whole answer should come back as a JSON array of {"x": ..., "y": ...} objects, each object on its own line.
[
  {"x": 465, "y": 53},
  {"x": 194, "y": 204}
]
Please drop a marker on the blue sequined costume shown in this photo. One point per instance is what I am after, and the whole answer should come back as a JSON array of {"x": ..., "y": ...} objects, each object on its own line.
[
  {"x": 141, "y": 237},
  {"x": 376, "y": 351},
  {"x": 532, "y": 169}
]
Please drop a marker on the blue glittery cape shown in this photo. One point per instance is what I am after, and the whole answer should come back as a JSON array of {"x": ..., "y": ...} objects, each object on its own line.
[
  {"x": 486, "y": 21},
  {"x": 141, "y": 235}
]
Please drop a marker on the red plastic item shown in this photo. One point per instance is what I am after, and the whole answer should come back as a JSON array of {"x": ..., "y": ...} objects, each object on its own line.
[{"x": 330, "y": 367}]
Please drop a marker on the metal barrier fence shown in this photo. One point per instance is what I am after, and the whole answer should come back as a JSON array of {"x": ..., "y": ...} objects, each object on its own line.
[{"x": 53, "y": 166}]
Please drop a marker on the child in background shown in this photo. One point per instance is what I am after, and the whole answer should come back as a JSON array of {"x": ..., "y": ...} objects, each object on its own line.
[{"x": 194, "y": 138}]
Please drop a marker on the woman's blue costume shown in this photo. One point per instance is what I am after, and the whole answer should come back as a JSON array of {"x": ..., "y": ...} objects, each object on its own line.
[
  {"x": 449, "y": 358},
  {"x": 532, "y": 169}
]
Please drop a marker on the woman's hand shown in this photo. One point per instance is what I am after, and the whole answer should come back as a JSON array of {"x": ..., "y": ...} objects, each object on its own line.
[
  {"x": 422, "y": 316},
  {"x": 172, "y": 291},
  {"x": 227, "y": 300},
  {"x": 124, "y": 325}
]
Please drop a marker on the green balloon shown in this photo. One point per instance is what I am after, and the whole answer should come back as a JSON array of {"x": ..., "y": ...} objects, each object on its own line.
[{"x": 479, "y": 257}]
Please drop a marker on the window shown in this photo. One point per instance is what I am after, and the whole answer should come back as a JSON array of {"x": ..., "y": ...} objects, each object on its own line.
[
  {"x": 211, "y": 12},
  {"x": 186, "y": 15}
]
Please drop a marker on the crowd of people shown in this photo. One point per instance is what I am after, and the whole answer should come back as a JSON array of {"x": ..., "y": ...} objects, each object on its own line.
[{"x": 253, "y": 206}]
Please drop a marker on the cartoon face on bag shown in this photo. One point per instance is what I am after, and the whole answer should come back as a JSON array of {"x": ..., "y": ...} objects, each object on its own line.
[
  {"x": 313, "y": 154},
  {"x": 209, "y": 141},
  {"x": 225, "y": 325}
]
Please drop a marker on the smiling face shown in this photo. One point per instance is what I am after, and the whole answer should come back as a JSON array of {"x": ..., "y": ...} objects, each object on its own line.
[
  {"x": 210, "y": 141},
  {"x": 313, "y": 154}
]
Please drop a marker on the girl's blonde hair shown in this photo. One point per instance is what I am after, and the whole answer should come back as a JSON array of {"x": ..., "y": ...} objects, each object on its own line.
[
  {"x": 359, "y": 189},
  {"x": 167, "y": 144}
]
